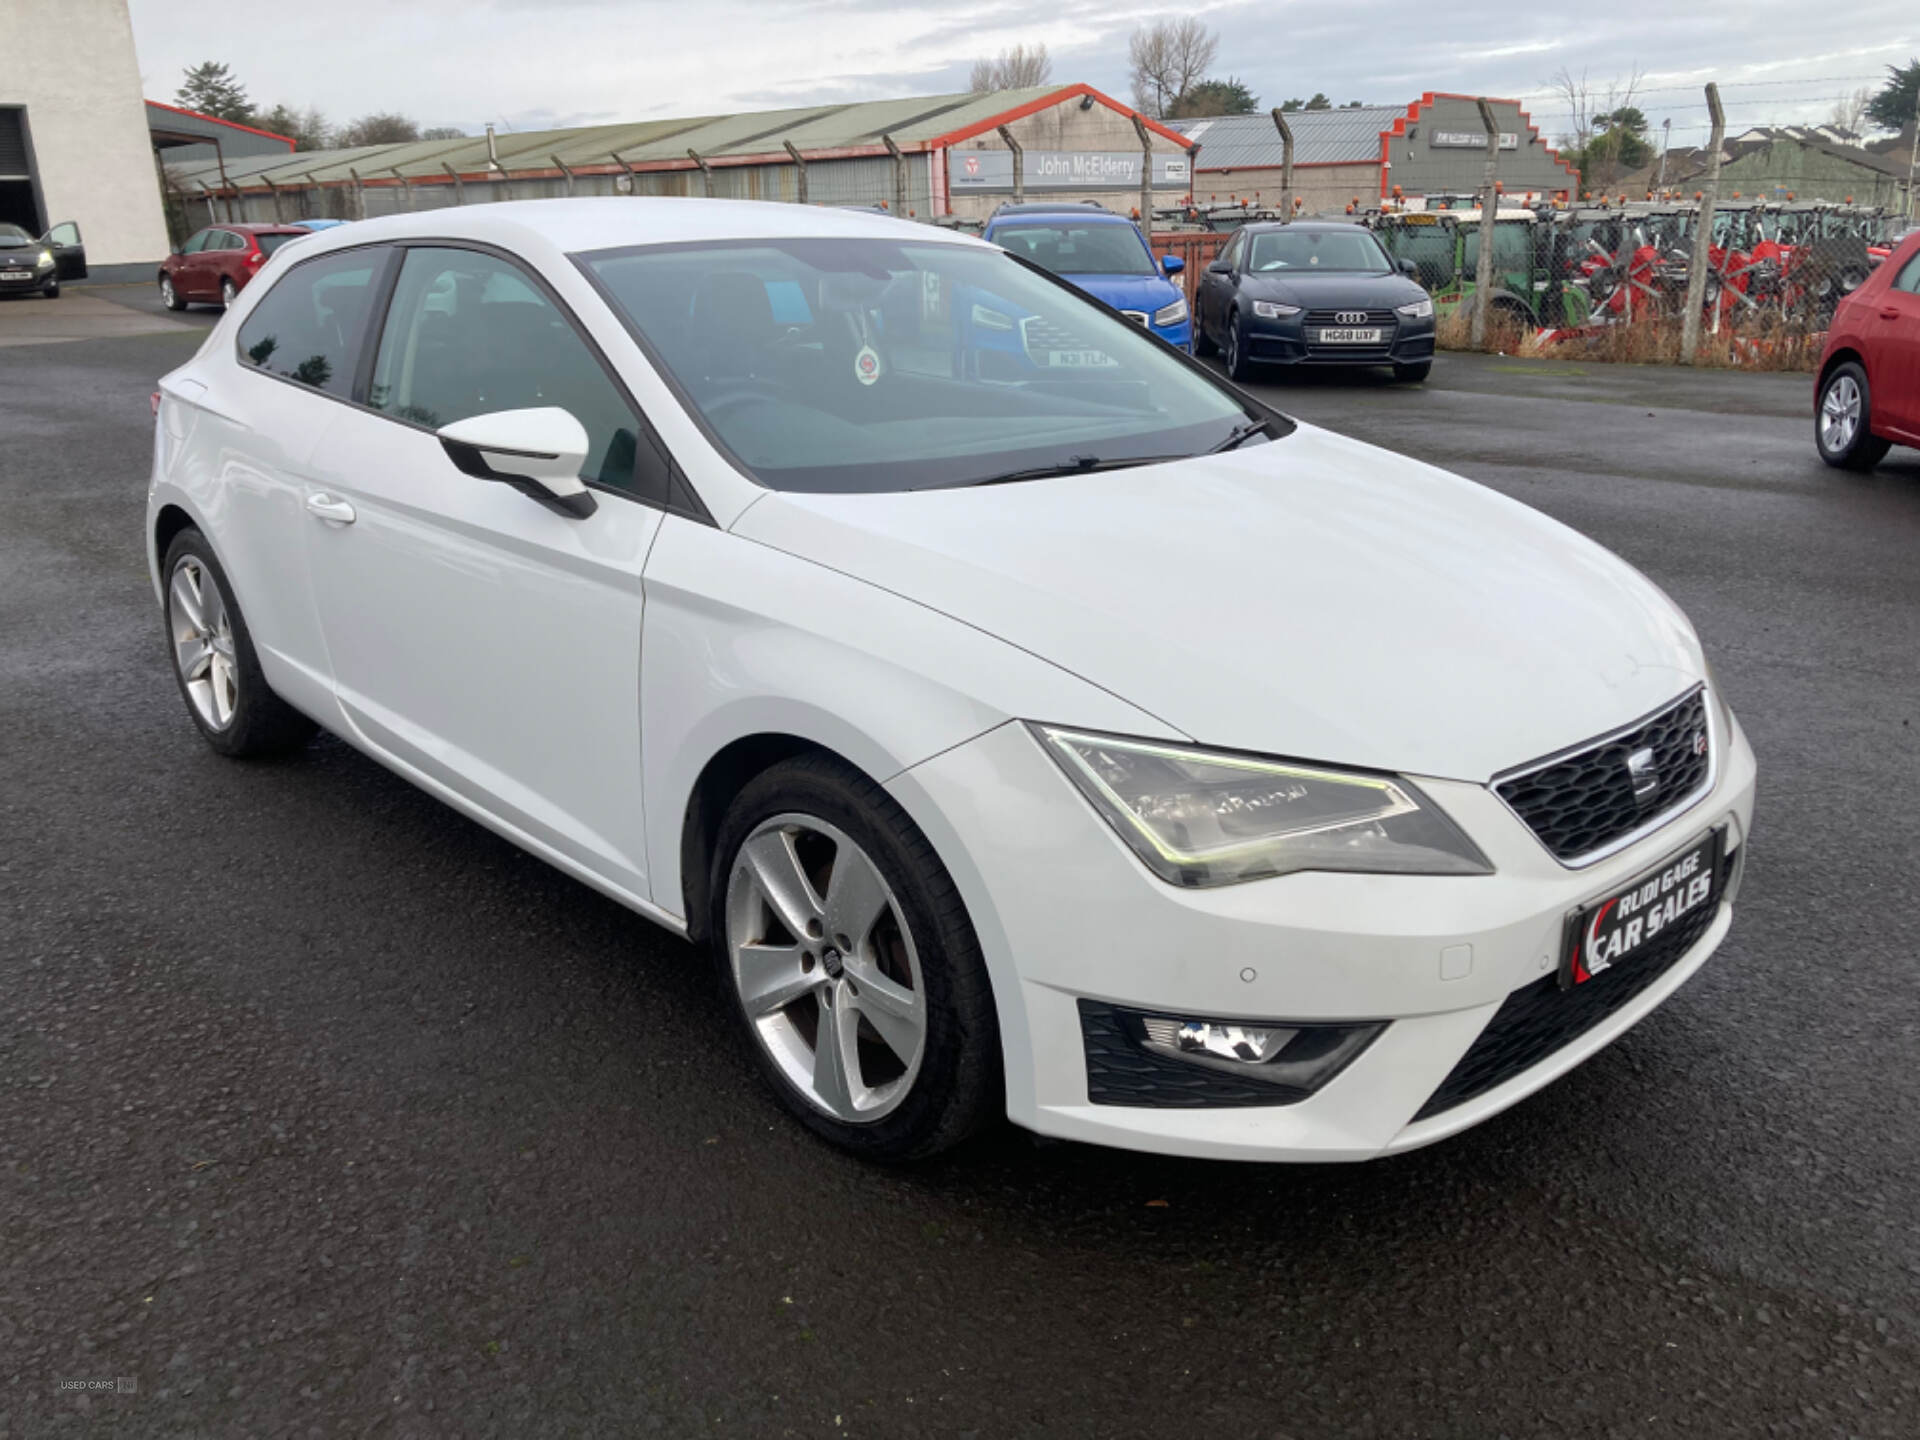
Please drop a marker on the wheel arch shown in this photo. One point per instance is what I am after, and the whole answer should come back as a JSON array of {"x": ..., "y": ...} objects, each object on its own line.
[{"x": 1832, "y": 363}]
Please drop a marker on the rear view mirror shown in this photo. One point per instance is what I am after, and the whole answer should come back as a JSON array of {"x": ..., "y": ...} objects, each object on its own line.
[
  {"x": 1219, "y": 267},
  {"x": 539, "y": 452},
  {"x": 1172, "y": 264}
]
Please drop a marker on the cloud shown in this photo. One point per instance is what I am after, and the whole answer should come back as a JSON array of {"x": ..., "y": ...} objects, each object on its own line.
[{"x": 540, "y": 62}]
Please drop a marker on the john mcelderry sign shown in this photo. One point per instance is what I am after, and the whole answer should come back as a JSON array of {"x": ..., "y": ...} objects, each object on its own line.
[{"x": 1063, "y": 170}]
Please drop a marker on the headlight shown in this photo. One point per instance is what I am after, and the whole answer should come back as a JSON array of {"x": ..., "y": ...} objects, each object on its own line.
[
  {"x": 1171, "y": 314},
  {"x": 991, "y": 319},
  {"x": 1273, "y": 310},
  {"x": 1421, "y": 309},
  {"x": 43, "y": 259},
  {"x": 1199, "y": 817}
]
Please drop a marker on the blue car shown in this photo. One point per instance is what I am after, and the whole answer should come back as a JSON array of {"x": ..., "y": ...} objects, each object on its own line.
[{"x": 1103, "y": 254}]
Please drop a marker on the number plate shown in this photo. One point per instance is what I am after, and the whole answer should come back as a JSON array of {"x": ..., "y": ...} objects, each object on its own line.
[
  {"x": 16, "y": 274},
  {"x": 1078, "y": 359},
  {"x": 1612, "y": 931},
  {"x": 1349, "y": 337}
]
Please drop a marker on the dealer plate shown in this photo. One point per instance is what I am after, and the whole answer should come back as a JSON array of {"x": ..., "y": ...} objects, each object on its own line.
[
  {"x": 1613, "y": 931},
  {"x": 1349, "y": 337}
]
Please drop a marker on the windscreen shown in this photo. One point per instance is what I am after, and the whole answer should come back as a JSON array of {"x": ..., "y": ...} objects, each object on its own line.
[
  {"x": 874, "y": 365},
  {"x": 270, "y": 243},
  {"x": 14, "y": 235},
  {"x": 1279, "y": 250},
  {"x": 1068, "y": 249}
]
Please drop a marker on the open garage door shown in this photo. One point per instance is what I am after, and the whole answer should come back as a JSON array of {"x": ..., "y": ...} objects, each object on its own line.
[{"x": 18, "y": 203}]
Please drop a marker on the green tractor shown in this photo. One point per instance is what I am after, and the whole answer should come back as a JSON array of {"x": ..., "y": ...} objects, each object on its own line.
[{"x": 1532, "y": 271}]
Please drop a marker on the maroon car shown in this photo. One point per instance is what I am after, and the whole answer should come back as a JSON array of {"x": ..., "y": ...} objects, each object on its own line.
[
  {"x": 1868, "y": 396},
  {"x": 216, "y": 264}
]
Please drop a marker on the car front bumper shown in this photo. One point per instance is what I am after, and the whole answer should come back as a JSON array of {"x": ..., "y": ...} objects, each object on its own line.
[
  {"x": 1293, "y": 341},
  {"x": 1065, "y": 913}
]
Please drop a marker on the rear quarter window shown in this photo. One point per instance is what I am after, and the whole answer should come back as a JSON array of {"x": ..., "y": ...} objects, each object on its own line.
[{"x": 309, "y": 327}]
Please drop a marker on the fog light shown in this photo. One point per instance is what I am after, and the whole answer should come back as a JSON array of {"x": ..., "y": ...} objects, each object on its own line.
[{"x": 1297, "y": 1058}]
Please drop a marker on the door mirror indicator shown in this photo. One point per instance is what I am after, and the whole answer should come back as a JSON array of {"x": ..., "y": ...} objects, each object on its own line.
[{"x": 539, "y": 452}]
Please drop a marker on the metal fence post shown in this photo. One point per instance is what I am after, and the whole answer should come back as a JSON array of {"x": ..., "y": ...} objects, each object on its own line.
[
  {"x": 899, "y": 176},
  {"x": 278, "y": 217},
  {"x": 1019, "y": 164},
  {"x": 1286, "y": 163},
  {"x": 706, "y": 174},
  {"x": 359, "y": 195},
  {"x": 800, "y": 170},
  {"x": 459, "y": 186},
  {"x": 406, "y": 185},
  {"x": 1702, "y": 236},
  {"x": 566, "y": 172},
  {"x": 1146, "y": 176},
  {"x": 1489, "y": 217},
  {"x": 633, "y": 180}
]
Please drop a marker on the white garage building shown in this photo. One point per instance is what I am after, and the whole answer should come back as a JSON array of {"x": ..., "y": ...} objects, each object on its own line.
[{"x": 74, "y": 143}]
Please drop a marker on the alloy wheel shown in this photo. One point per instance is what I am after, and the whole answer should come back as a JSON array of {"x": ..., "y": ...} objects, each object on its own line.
[
  {"x": 166, "y": 290},
  {"x": 1233, "y": 345},
  {"x": 825, "y": 967},
  {"x": 227, "y": 292},
  {"x": 1840, "y": 415},
  {"x": 202, "y": 634}
]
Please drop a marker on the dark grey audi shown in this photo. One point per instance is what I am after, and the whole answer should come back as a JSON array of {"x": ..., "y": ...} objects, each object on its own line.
[{"x": 1312, "y": 292}]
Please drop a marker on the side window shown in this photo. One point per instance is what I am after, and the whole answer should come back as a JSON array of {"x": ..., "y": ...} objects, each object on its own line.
[
  {"x": 1909, "y": 278},
  {"x": 231, "y": 241},
  {"x": 65, "y": 233},
  {"x": 1234, "y": 247},
  {"x": 468, "y": 333},
  {"x": 196, "y": 243},
  {"x": 309, "y": 327}
]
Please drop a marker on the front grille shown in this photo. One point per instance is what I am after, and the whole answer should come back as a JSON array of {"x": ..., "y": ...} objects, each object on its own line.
[
  {"x": 1328, "y": 319},
  {"x": 1044, "y": 334},
  {"x": 1581, "y": 803},
  {"x": 1538, "y": 1019}
]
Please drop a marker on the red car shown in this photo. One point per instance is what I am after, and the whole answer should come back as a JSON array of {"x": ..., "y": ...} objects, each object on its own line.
[
  {"x": 216, "y": 264},
  {"x": 1867, "y": 398}
]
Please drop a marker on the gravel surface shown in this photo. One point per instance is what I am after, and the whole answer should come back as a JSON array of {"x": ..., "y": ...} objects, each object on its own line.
[{"x": 323, "y": 1111}]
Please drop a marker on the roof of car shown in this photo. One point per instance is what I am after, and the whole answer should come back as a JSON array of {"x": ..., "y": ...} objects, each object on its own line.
[
  {"x": 1315, "y": 224},
  {"x": 254, "y": 229},
  {"x": 613, "y": 221}
]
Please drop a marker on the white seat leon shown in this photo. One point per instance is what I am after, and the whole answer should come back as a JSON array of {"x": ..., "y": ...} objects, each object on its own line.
[{"x": 1024, "y": 719}]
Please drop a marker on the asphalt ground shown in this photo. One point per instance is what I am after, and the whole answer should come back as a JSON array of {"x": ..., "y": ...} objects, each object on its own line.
[{"x": 323, "y": 1111}]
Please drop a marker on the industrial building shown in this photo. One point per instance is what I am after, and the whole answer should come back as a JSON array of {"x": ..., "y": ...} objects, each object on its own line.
[
  {"x": 1363, "y": 155},
  {"x": 74, "y": 144},
  {"x": 940, "y": 157}
]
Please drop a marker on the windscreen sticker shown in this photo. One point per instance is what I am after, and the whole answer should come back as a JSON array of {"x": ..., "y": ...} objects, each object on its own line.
[{"x": 866, "y": 365}]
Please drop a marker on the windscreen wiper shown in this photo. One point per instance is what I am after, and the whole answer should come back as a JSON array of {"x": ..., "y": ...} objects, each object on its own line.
[
  {"x": 1072, "y": 465},
  {"x": 1240, "y": 434}
]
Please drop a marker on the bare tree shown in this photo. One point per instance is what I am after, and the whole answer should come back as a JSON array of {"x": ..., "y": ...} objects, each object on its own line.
[
  {"x": 1850, "y": 112},
  {"x": 1591, "y": 108},
  {"x": 1169, "y": 58},
  {"x": 1017, "y": 69}
]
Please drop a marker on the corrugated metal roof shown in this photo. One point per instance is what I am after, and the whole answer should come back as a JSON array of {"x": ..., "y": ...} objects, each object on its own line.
[
  {"x": 1320, "y": 137},
  {"x": 812, "y": 129}
]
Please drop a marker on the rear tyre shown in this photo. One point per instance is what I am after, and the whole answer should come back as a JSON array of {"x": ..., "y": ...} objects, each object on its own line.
[
  {"x": 1203, "y": 345},
  {"x": 1843, "y": 419},
  {"x": 228, "y": 292},
  {"x": 170, "y": 297},
  {"x": 1414, "y": 373},
  {"x": 1239, "y": 367},
  {"x": 214, "y": 660},
  {"x": 852, "y": 966}
]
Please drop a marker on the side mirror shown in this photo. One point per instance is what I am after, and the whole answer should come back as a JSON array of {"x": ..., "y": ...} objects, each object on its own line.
[
  {"x": 1172, "y": 264},
  {"x": 1408, "y": 267},
  {"x": 1219, "y": 267},
  {"x": 538, "y": 452}
]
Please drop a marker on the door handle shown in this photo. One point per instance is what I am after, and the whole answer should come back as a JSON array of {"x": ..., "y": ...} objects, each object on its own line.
[
  {"x": 1887, "y": 312},
  {"x": 328, "y": 508}
]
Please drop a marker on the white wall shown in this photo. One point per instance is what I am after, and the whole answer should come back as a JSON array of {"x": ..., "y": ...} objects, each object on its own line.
[{"x": 71, "y": 63}]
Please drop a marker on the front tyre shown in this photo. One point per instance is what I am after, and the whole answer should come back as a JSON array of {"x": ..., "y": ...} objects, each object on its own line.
[
  {"x": 1238, "y": 366},
  {"x": 51, "y": 290},
  {"x": 229, "y": 292},
  {"x": 170, "y": 297},
  {"x": 1842, "y": 423},
  {"x": 852, "y": 965},
  {"x": 1203, "y": 345},
  {"x": 214, "y": 661}
]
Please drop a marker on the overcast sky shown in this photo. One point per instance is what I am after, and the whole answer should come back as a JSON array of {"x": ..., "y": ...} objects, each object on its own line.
[{"x": 536, "y": 64}]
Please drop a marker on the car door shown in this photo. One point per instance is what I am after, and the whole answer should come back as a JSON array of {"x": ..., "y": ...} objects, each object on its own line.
[
  {"x": 479, "y": 639},
  {"x": 69, "y": 255},
  {"x": 179, "y": 265},
  {"x": 1217, "y": 284},
  {"x": 1895, "y": 359},
  {"x": 267, "y": 402}
]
